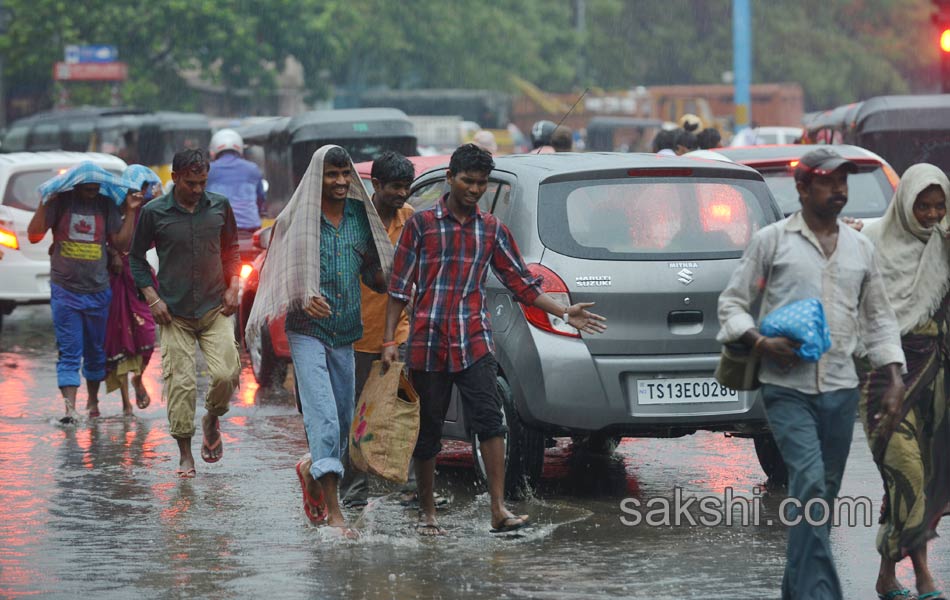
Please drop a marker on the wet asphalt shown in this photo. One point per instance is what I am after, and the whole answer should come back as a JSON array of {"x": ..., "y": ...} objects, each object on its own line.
[{"x": 94, "y": 511}]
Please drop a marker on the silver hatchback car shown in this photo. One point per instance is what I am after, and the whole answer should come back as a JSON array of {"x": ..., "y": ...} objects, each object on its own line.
[{"x": 652, "y": 241}]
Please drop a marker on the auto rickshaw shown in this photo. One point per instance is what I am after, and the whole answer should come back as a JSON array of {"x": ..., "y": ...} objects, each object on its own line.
[
  {"x": 906, "y": 130},
  {"x": 136, "y": 136},
  {"x": 621, "y": 134},
  {"x": 288, "y": 143},
  {"x": 831, "y": 126}
]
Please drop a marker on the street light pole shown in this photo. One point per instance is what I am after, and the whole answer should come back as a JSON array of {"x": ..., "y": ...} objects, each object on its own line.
[
  {"x": 3, "y": 97},
  {"x": 742, "y": 60}
]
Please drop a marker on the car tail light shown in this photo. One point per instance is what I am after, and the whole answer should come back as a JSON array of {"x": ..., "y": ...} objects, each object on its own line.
[
  {"x": 8, "y": 239},
  {"x": 892, "y": 175},
  {"x": 246, "y": 270},
  {"x": 553, "y": 286}
]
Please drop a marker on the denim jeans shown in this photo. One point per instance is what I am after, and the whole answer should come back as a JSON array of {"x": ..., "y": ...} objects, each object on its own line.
[
  {"x": 325, "y": 388},
  {"x": 79, "y": 321},
  {"x": 813, "y": 433}
]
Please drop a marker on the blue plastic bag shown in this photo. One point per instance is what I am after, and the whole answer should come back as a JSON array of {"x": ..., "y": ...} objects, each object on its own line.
[{"x": 803, "y": 322}]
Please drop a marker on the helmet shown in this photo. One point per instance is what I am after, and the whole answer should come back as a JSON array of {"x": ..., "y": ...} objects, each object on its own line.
[
  {"x": 541, "y": 133},
  {"x": 226, "y": 139},
  {"x": 691, "y": 123}
]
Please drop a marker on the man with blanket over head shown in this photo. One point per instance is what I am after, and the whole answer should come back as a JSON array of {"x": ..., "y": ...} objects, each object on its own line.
[
  {"x": 81, "y": 206},
  {"x": 327, "y": 238}
]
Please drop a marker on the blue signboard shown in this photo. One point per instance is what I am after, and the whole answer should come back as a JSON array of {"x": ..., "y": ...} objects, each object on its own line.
[{"x": 91, "y": 54}]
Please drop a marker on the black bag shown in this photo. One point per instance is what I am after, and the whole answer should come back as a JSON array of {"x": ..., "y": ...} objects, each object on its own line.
[{"x": 739, "y": 365}]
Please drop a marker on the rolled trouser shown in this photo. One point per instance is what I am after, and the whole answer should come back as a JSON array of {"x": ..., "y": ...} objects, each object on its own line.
[
  {"x": 214, "y": 334},
  {"x": 325, "y": 389},
  {"x": 79, "y": 321}
]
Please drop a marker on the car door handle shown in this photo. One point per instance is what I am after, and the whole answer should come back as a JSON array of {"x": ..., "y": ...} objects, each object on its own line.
[{"x": 685, "y": 322}]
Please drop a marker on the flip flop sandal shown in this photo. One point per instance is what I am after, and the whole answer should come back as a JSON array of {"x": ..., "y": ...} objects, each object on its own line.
[
  {"x": 316, "y": 511},
  {"x": 898, "y": 594},
  {"x": 510, "y": 524},
  {"x": 186, "y": 473},
  {"x": 142, "y": 400},
  {"x": 411, "y": 499},
  {"x": 934, "y": 595},
  {"x": 94, "y": 413},
  {"x": 207, "y": 451},
  {"x": 430, "y": 530}
]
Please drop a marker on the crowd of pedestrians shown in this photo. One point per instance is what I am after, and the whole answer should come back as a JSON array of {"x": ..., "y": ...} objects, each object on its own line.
[{"x": 361, "y": 277}]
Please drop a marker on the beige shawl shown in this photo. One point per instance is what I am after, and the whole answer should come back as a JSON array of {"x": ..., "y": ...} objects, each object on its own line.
[
  {"x": 914, "y": 261},
  {"x": 290, "y": 275}
]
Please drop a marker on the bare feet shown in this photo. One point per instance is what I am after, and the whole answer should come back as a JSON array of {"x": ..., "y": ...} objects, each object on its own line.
[{"x": 93, "y": 409}]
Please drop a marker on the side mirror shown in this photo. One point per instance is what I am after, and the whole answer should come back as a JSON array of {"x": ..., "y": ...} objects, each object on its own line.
[{"x": 261, "y": 238}]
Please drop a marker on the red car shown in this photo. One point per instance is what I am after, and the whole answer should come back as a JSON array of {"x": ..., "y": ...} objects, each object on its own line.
[
  {"x": 271, "y": 355},
  {"x": 869, "y": 190}
]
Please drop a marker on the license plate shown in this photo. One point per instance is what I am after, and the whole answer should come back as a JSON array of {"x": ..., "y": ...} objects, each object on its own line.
[{"x": 692, "y": 390}]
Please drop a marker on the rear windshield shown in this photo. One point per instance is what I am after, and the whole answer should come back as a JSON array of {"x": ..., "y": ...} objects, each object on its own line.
[
  {"x": 359, "y": 149},
  {"x": 648, "y": 219},
  {"x": 21, "y": 188},
  {"x": 905, "y": 148},
  {"x": 868, "y": 193}
]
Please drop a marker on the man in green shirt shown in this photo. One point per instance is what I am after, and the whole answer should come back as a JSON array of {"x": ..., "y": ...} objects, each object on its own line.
[
  {"x": 322, "y": 332},
  {"x": 195, "y": 236}
]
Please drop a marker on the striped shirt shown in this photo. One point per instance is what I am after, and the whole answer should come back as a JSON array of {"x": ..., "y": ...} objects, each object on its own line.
[
  {"x": 448, "y": 262},
  {"x": 346, "y": 252}
]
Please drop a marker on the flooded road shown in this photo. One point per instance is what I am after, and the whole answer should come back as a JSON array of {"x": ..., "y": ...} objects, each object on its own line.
[{"x": 95, "y": 510}]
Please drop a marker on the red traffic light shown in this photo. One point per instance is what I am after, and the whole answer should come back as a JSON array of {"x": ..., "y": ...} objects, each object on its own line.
[{"x": 945, "y": 40}]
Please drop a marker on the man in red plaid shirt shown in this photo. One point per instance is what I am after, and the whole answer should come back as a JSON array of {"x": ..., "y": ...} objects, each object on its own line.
[{"x": 445, "y": 252}]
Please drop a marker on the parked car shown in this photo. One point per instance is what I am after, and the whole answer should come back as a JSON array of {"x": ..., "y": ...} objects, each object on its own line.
[
  {"x": 652, "y": 241},
  {"x": 25, "y": 267},
  {"x": 271, "y": 354},
  {"x": 869, "y": 190}
]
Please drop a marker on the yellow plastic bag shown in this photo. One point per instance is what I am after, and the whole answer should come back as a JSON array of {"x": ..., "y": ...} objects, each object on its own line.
[{"x": 386, "y": 424}]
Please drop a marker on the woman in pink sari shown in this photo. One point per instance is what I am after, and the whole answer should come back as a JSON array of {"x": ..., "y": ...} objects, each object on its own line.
[{"x": 130, "y": 333}]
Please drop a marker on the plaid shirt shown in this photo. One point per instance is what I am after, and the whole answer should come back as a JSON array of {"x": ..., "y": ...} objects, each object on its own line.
[
  {"x": 346, "y": 253},
  {"x": 448, "y": 262}
]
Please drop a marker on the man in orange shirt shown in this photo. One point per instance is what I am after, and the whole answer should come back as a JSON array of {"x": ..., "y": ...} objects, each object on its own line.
[{"x": 392, "y": 175}]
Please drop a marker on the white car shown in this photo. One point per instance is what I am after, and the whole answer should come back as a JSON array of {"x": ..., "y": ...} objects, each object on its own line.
[
  {"x": 25, "y": 267},
  {"x": 762, "y": 136}
]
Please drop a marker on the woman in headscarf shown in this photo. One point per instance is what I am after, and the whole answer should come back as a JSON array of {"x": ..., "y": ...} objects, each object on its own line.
[
  {"x": 130, "y": 333},
  {"x": 913, "y": 454}
]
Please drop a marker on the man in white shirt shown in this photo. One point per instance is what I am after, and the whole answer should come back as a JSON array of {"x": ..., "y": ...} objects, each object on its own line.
[{"x": 811, "y": 407}]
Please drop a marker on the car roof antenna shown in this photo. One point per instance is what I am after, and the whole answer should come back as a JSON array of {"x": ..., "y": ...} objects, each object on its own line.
[{"x": 569, "y": 111}]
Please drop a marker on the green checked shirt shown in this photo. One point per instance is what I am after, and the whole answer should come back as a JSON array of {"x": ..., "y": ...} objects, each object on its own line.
[{"x": 346, "y": 253}]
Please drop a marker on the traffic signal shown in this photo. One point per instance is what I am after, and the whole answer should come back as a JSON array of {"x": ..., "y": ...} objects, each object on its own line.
[{"x": 941, "y": 18}]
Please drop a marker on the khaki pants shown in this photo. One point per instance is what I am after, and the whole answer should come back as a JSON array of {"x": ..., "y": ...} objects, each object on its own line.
[{"x": 214, "y": 333}]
